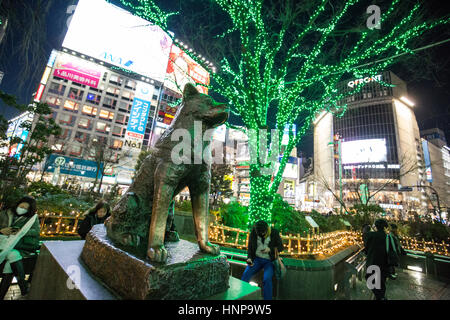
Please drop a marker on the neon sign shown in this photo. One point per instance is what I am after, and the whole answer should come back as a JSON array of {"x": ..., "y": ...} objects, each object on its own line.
[{"x": 353, "y": 83}]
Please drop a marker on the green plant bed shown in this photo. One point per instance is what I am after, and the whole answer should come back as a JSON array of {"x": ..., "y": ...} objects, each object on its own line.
[{"x": 63, "y": 203}]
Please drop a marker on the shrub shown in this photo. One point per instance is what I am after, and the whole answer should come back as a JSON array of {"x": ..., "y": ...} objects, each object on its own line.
[
  {"x": 328, "y": 223},
  {"x": 184, "y": 205},
  {"x": 286, "y": 219},
  {"x": 41, "y": 188},
  {"x": 234, "y": 215},
  {"x": 62, "y": 203}
]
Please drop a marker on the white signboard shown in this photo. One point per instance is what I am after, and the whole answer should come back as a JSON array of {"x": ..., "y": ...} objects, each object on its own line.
[{"x": 111, "y": 34}]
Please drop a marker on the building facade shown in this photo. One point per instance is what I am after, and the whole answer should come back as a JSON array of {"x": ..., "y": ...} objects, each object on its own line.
[
  {"x": 372, "y": 149},
  {"x": 112, "y": 93},
  {"x": 437, "y": 171}
]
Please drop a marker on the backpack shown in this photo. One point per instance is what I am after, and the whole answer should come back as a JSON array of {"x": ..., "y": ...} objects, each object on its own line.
[{"x": 392, "y": 254}]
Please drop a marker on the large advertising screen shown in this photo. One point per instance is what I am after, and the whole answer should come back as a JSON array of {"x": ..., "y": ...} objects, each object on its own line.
[
  {"x": 111, "y": 34},
  {"x": 364, "y": 151},
  {"x": 181, "y": 69}
]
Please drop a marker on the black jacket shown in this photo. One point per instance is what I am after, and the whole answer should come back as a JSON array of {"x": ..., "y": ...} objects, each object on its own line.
[
  {"x": 375, "y": 248},
  {"x": 86, "y": 225},
  {"x": 275, "y": 242}
]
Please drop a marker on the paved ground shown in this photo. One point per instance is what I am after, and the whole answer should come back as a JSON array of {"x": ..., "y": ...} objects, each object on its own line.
[{"x": 409, "y": 285}]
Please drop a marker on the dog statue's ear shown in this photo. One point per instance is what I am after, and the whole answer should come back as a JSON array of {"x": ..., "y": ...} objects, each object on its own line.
[{"x": 189, "y": 91}]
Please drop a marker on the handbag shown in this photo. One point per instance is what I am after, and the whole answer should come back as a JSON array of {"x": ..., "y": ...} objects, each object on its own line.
[
  {"x": 280, "y": 269},
  {"x": 392, "y": 255}
]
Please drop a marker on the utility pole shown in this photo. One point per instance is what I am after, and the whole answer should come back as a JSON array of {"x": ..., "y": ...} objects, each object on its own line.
[{"x": 337, "y": 154}]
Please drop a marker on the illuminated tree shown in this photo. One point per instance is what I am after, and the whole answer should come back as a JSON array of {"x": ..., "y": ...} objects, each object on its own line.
[{"x": 285, "y": 61}]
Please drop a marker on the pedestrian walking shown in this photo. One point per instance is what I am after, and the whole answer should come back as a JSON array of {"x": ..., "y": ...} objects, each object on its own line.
[
  {"x": 375, "y": 248},
  {"x": 396, "y": 247}
]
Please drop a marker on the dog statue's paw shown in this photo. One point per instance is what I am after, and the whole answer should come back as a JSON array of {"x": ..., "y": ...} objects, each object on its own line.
[
  {"x": 171, "y": 236},
  {"x": 213, "y": 249},
  {"x": 157, "y": 254}
]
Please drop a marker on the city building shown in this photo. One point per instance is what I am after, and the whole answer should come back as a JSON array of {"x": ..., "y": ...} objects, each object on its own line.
[
  {"x": 112, "y": 93},
  {"x": 437, "y": 170},
  {"x": 372, "y": 150}
]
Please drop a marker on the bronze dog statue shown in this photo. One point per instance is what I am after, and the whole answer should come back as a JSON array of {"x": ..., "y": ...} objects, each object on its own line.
[{"x": 141, "y": 214}]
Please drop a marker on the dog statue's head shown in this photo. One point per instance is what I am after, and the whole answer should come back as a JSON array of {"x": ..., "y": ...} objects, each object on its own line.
[{"x": 201, "y": 107}]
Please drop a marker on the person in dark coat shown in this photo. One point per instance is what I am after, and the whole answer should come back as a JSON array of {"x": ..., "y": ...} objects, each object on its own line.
[
  {"x": 11, "y": 221},
  {"x": 375, "y": 248},
  {"x": 393, "y": 232},
  {"x": 95, "y": 215},
  {"x": 264, "y": 244},
  {"x": 365, "y": 230}
]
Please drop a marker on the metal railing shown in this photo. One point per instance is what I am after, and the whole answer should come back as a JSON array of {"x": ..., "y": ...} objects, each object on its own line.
[{"x": 319, "y": 245}]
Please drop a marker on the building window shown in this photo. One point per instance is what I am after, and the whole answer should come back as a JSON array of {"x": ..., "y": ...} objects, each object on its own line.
[
  {"x": 53, "y": 102},
  {"x": 58, "y": 147},
  {"x": 76, "y": 94},
  {"x": 76, "y": 150},
  {"x": 81, "y": 137},
  {"x": 130, "y": 85},
  {"x": 117, "y": 144},
  {"x": 65, "y": 134},
  {"x": 118, "y": 131},
  {"x": 89, "y": 111},
  {"x": 107, "y": 115},
  {"x": 121, "y": 118},
  {"x": 109, "y": 103},
  {"x": 67, "y": 119},
  {"x": 93, "y": 98},
  {"x": 85, "y": 124},
  {"x": 114, "y": 92},
  {"x": 57, "y": 88},
  {"x": 102, "y": 127},
  {"x": 127, "y": 95},
  {"x": 116, "y": 80},
  {"x": 71, "y": 106},
  {"x": 124, "y": 106}
]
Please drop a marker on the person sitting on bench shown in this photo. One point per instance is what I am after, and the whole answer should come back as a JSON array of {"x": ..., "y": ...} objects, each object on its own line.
[{"x": 12, "y": 222}]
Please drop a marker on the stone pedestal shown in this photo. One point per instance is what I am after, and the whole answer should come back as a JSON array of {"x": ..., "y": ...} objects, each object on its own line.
[
  {"x": 188, "y": 273},
  {"x": 57, "y": 265}
]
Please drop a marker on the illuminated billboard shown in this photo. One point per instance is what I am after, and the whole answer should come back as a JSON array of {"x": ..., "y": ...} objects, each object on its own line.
[
  {"x": 111, "y": 34},
  {"x": 77, "y": 70},
  {"x": 181, "y": 70},
  {"x": 139, "y": 115},
  {"x": 364, "y": 151},
  {"x": 15, "y": 129}
]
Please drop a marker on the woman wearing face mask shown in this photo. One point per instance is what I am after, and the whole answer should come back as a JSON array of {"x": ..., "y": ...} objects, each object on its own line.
[
  {"x": 11, "y": 221},
  {"x": 95, "y": 215}
]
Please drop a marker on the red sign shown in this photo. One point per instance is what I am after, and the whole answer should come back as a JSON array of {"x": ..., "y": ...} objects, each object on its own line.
[{"x": 74, "y": 70}]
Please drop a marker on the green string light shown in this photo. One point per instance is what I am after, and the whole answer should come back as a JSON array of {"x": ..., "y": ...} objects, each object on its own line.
[{"x": 259, "y": 80}]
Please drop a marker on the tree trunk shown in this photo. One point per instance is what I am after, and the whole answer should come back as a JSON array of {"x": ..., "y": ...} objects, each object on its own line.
[{"x": 261, "y": 198}]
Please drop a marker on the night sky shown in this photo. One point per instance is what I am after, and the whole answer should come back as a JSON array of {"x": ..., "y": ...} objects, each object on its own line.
[{"x": 432, "y": 95}]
